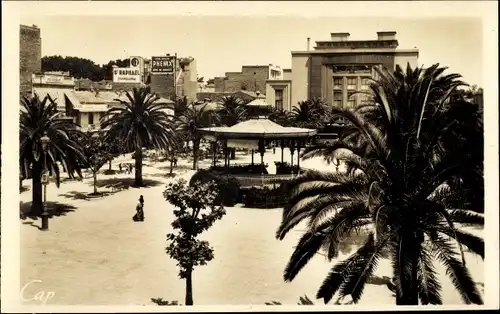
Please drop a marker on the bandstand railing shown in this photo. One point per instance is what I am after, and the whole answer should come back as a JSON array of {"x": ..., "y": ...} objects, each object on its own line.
[{"x": 268, "y": 180}]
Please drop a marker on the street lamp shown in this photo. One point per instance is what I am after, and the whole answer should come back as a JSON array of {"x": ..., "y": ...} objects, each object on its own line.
[{"x": 45, "y": 180}]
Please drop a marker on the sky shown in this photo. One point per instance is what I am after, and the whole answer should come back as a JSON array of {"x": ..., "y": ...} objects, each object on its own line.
[{"x": 224, "y": 43}]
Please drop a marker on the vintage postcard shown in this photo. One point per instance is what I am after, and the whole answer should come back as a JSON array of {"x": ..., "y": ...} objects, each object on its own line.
[{"x": 249, "y": 156}]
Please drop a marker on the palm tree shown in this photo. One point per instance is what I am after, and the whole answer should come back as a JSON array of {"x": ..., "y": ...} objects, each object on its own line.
[
  {"x": 140, "y": 121},
  {"x": 193, "y": 119},
  {"x": 281, "y": 117},
  {"x": 232, "y": 112},
  {"x": 399, "y": 193},
  {"x": 180, "y": 106},
  {"x": 39, "y": 118},
  {"x": 309, "y": 114}
]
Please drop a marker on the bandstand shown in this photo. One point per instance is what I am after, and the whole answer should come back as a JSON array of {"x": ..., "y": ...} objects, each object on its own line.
[{"x": 255, "y": 135}]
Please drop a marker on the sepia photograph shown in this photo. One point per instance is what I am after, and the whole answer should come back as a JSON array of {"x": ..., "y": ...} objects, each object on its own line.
[{"x": 235, "y": 156}]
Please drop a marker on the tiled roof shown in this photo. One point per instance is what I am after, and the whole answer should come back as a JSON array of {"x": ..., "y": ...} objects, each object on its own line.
[{"x": 106, "y": 97}]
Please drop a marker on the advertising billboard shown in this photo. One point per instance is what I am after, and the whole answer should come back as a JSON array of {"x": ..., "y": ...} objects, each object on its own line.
[
  {"x": 162, "y": 65},
  {"x": 136, "y": 62},
  {"x": 126, "y": 75}
]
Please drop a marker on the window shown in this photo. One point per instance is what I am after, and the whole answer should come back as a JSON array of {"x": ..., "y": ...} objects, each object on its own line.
[
  {"x": 365, "y": 83},
  {"x": 337, "y": 99},
  {"x": 352, "y": 83},
  {"x": 337, "y": 82},
  {"x": 278, "y": 99},
  {"x": 351, "y": 100},
  {"x": 91, "y": 118}
]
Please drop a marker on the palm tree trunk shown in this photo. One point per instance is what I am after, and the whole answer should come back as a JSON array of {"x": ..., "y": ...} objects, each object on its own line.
[
  {"x": 37, "y": 201},
  {"x": 110, "y": 163},
  {"x": 95, "y": 181},
  {"x": 189, "y": 287},
  {"x": 138, "y": 166},
  {"x": 410, "y": 286},
  {"x": 171, "y": 166},
  {"x": 196, "y": 148}
]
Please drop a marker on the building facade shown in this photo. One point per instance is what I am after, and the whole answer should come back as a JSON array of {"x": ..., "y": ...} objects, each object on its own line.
[
  {"x": 30, "y": 56},
  {"x": 338, "y": 68},
  {"x": 279, "y": 90},
  {"x": 183, "y": 83},
  {"x": 251, "y": 78}
]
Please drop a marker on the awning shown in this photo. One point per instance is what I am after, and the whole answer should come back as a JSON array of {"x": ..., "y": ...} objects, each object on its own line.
[
  {"x": 74, "y": 100},
  {"x": 56, "y": 95}
]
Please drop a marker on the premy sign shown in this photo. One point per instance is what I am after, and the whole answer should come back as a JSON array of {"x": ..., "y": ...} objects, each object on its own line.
[{"x": 164, "y": 64}]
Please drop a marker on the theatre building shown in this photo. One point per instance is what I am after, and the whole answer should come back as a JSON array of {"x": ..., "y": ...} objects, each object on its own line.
[{"x": 335, "y": 69}]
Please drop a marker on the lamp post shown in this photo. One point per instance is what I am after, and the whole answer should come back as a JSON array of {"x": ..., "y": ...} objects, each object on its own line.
[{"x": 45, "y": 180}]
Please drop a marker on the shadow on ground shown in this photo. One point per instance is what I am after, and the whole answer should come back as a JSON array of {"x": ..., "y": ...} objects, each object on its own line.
[
  {"x": 117, "y": 184},
  {"x": 166, "y": 175},
  {"x": 75, "y": 195},
  {"x": 23, "y": 189},
  {"x": 176, "y": 169},
  {"x": 54, "y": 209}
]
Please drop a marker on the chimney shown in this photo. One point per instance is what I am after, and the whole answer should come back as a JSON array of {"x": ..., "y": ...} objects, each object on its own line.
[
  {"x": 308, "y": 43},
  {"x": 340, "y": 36},
  {"x": 386, "y": 35}
]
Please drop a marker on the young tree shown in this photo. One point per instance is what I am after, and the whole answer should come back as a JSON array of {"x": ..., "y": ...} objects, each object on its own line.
[
  {"x": 196, "y": 211},
  {"x": 97, "y": 153}
]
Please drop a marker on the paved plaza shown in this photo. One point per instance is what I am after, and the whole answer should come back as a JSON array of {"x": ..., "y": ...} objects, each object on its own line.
[{"x": 94, "y": 254}]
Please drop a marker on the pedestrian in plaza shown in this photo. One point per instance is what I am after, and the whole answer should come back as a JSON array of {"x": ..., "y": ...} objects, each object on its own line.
[
  {"x": 120, "y": 166},
  {"x": 139, "y": 215}
]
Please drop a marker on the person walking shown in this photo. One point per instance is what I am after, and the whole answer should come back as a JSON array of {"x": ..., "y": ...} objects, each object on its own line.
[{"x": 139, "y": 215}]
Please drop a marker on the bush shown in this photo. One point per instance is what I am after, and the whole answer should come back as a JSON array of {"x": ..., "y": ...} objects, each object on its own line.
[
  {"x": 286, "y": 168},
  {"x": 265, "y": 197},
  {"x": 229, "y": 188}
]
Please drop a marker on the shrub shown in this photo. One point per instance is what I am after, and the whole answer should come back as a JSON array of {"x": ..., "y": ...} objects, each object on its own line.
[
  {"x": 228, "y": 188},
  {"x": 266, "y": 197}
]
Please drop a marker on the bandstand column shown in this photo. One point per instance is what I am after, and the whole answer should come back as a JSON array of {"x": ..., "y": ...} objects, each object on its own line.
[
  {"x": 282, "y": 148},
  {"x": 226, "y": 162},
  {"x": 253, "y": 152},
  {"x": 262, "y": 150},
  {"x": 214, "y": 150},
  {"x": 298, "y": 154},
  {"x": 292, "y": 150}
]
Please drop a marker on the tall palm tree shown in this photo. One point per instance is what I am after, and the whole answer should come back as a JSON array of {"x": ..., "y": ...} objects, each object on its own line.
[
  {"x": 399, "y": 194},
  {"x": 232, "y": 112},
  {"x": 38, "y": 118},
  {"x": 141, "y": 121},
  {"x": 193, "y": 119},
  {"x": 309, "y": 114}
]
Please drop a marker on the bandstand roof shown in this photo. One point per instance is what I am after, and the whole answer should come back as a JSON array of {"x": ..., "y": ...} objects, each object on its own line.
[
  {"x": 259, "y": 101},
  {"x": 257, "y": 129}
]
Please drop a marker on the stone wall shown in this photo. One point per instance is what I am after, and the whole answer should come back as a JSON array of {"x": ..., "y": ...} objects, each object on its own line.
[
  {"x": 251, "y": 78},
  {"x": 30, "y": 56}
]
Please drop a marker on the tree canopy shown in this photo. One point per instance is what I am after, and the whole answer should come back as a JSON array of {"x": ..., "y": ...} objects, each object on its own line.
[{"x": 82, "y": 67}]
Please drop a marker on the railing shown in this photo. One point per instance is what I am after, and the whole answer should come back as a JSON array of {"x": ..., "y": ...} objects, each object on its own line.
[{"x": 269, "y": 180}]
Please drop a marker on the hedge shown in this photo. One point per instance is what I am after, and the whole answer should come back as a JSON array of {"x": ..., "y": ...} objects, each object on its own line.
[{"x": 229, "y": 188}]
